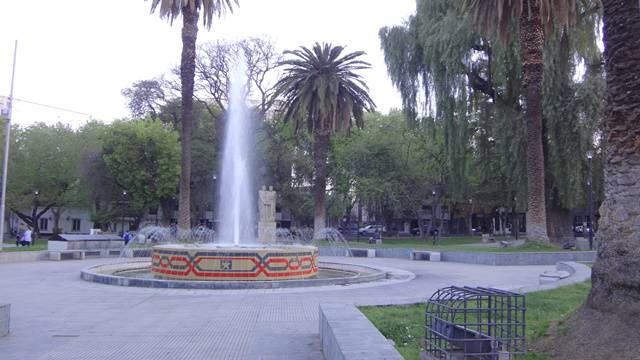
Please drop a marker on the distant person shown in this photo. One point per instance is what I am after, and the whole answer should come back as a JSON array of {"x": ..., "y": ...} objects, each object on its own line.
[
  {"x": 127, "y": 237},
  {"x": 26, "y": 239},
  {"x": 19, "y": 233}
]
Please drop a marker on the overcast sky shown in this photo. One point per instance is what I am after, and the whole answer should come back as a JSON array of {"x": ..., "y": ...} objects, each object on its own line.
[{"x": 79, "y": 54}]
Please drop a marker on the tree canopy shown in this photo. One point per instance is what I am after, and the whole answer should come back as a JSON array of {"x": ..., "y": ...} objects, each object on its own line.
[{"x": 144, "y": 159}]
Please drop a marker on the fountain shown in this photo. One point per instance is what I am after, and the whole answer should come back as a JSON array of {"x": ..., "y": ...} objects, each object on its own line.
[
  {"x": 234, "y": 257},
  {"x": 239, "y": 255}
]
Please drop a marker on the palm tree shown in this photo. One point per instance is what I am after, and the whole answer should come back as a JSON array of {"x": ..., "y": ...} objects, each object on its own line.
[
  {"x": 494, "y": 17},
  {"x": 322, "y": 89},
  {"x": 190, "y": 11},
  {"x": 616, "y": 273}
]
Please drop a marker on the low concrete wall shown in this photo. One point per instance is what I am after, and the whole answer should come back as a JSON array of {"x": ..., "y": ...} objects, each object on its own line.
[
  {"x": 5, "y": 316},
  {"x": 518, "y": 258},
  {"x": 327, "y": 251},
  {"x": 22, "y": 256},
  {"x": 400, "y": 253},
  {"x": 346, "y": 334},
  {"x": 483, "y": 258},
  {"x": 578, "y": 273}
]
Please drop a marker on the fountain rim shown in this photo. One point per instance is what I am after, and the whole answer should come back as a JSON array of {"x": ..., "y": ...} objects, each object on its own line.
[
  {"x": 92, "y": 274},
  {"x": 227, "y": 246}
]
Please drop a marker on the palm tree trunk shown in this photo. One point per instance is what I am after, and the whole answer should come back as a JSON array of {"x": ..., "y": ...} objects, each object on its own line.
[
  {"x": 320, "y": 152},
  {"x": 532, "y": 47},
  {"x": 187, "y": 74},
  {"x": 616, "y": 273}
]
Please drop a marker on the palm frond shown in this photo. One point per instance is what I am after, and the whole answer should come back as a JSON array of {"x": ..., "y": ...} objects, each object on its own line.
[
  {"x": 496, "y": 17},
  {"x": 323, "y": 86},
  {"x": 171, "y": 9}
]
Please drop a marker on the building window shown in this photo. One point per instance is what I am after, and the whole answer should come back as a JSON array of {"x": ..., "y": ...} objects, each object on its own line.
[
  {"x": 76, "y": 225},
  {"x": 44, "y": 224}
]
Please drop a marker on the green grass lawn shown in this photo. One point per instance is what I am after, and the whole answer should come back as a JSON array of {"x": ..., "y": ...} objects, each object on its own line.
[
  {"x": 453, "y": 243},
  {"x": 405, "y": 324},
  {"x": 39, "y": 246}
]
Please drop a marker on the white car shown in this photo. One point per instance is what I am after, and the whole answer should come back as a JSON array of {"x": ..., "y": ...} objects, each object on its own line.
[{"x": 370, "y": 230}]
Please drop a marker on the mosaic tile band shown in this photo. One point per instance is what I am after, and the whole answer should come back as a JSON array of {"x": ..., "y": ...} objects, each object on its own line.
[{"x": 239, "y": 263}]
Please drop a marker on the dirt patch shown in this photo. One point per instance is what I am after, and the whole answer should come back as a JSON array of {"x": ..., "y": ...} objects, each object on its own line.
[{"x": 591, "y": 335}]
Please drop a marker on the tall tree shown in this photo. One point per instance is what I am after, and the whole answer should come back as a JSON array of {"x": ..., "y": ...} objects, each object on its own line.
[
  {"x": 145, "y": 97},
  {"x": 142, "y": 157},
  {"x": 190, "y": 11},
  {"x": 616, "y": 273},
  {"x": 321, "y": 88},
  {"x": 214, "y": 66},
  {"x": 474, "y": 81},
  {"x": 534, "y": 17},
  {"x": 45, "y": 175}
]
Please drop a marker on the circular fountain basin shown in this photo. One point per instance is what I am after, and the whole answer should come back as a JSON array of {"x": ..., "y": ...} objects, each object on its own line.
[
  {"x": 138, "y": 273},
  {"x": 232, "y": 262}
]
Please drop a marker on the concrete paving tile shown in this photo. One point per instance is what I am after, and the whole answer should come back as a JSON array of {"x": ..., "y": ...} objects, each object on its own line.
[{"x": 56, "y": 315}]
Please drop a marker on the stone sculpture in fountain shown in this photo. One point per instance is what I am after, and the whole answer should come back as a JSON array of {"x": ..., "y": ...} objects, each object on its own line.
[{"x": 267, "y": 212}]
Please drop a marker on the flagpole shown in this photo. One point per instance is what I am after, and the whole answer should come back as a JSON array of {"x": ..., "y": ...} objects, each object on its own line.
[{"x": 7, "y": 133}]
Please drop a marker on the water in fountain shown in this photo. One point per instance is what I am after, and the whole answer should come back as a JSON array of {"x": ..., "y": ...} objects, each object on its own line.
[
  {"x": 237, "y": 204},
  {"x": 148, "y": 236},
  {"x": 331, "y": 239}
]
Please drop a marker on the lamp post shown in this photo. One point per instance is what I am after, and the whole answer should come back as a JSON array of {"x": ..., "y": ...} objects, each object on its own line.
[
  {"x": 471, "y": 217},
  {"x": 590, "y": 199},
  {"x": 124, "y": 194},
  {"x": 433, "y": 215},
  {"x": 7, "y": 132},
  {"x": 514, "y": 220},
  {"x": 214, "y": 225},
  {"x": 36, "y": 192}
]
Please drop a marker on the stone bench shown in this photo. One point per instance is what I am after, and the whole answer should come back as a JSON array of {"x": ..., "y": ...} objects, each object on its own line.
[
  {"x": 346, "y": 334},
  {"x": 505, "y": 244},
  {"x": 487, "y": 238},
  {"x": 5, "y": 316},
  {"x": 58, "y": 255},
  {"x": 562, "y": 271},
  {"x": 425, "y": 255},
  {"x": 359, "y": 252}
]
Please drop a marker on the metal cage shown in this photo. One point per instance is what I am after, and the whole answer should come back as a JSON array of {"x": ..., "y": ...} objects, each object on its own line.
[{"x": 475, "y": 323}]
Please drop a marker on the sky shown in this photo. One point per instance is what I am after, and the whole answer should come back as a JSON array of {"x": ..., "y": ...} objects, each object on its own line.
[{"x": 80, "y": 54}]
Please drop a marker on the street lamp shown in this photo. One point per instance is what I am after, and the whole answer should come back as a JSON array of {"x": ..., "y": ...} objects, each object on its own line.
[
  {"x": 471, "y": 216},
  {"x": 214, "y": 203},
  {"x": 36, "y": 192},
  {"x": 590, "y": 194},
  {"x": 514, "y": 221},
  {"x": 433, "y": 215},
  {"x": 124, "y": 194}
]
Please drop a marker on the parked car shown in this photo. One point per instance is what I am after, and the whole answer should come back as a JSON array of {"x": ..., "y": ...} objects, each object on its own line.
[
  {"x": 352, "y": 229},
  {"x": 580, "y": 230},
  {"x": 370, "y": 230},
  {"x": 426, "y": 230}
]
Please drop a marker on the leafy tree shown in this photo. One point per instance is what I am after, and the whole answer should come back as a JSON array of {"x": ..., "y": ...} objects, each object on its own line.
[
  {"x": 388, "y": 167},
  {"x": 288, "y": 167},
  {"x": 190, "y": 11},
  {"x": 473, "y": 85},
  {"x": 98, "y": 183},
  {"x": 145, "y": 97},
  {"x": 495, "y": 18},
  {"x": 322, "y": 89},
  {"x": 616, "y": 273},
  {"x": 44, "y": 172},
  {"x": 143, "y": 158}
]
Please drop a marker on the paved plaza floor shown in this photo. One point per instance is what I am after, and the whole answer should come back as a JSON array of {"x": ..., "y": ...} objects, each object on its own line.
[{"x": 56, "y": 315}]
